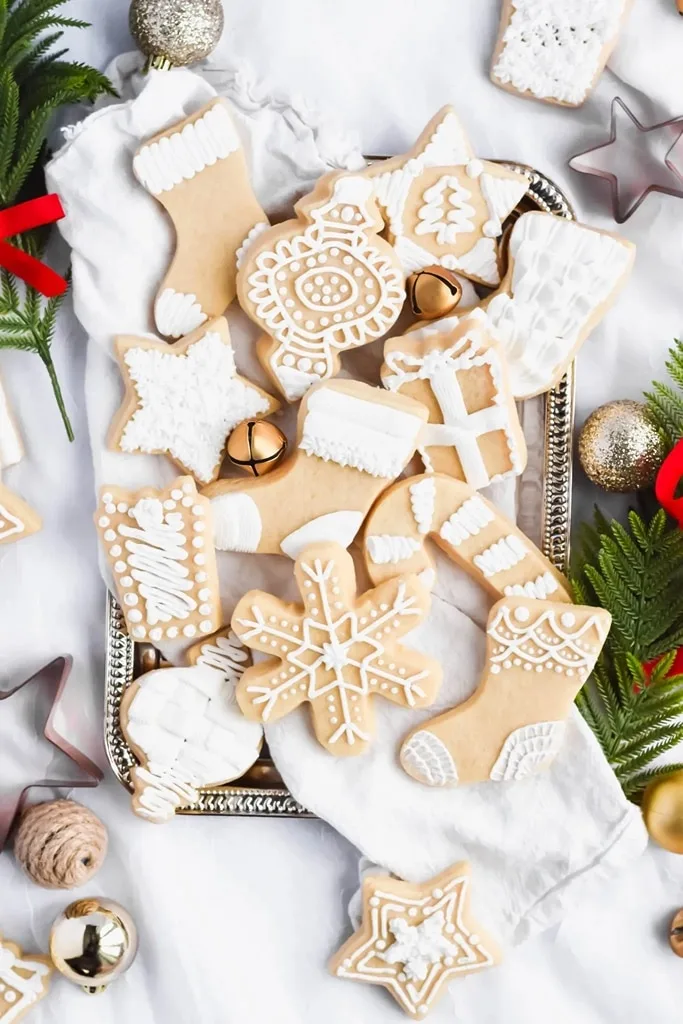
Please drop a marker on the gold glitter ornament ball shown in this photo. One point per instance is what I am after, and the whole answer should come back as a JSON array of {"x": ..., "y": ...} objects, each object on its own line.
[
  {"x": 619, "y": 448},
  {"x": 173, "y": 33}
]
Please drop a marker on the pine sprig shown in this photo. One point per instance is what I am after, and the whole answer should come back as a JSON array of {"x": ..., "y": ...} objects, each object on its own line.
[{"x": 664, "y": 403}]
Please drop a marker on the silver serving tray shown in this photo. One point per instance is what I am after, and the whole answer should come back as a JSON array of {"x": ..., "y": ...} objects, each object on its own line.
[{"x": 544, "y": 513}]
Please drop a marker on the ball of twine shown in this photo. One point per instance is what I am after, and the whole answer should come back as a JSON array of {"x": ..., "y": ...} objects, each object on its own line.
[{"x": 60, "y": 844}]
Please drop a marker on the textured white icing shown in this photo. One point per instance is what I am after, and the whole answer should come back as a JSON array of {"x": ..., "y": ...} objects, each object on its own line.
[
  {"x": 177, "y": 313},
  {"x": 180, "y": 156},
  {"x": 481, "y": 261},
  {"x": 385, "y": 548},
  {"x": 189, "y": 403},
  {"x": 419, "y": 947},
  {"x": 10, "y": 525},
  {"x": 501, "y": 556},
  {"x": 446, "y": 212},
  {"x": 11, "y": 448},
  {"x": 229, "y": 655},
  {"x": 422, "y": 499},
  {"x": 542, "y": 643},
  {"x": 370, "y": 436},
  {"x": 12, "y": 982},
  {"x": 528, "y": 750},
  {"x": 467, "y": 521},
  {"x": 425, "y": 758},
  {"x": 500, "y": 195},
  {"x": 341, "y": 527},
  {"x": 540, "y": 588},
  {"x": 554, "y": 48},
  {"x": 237, "y": 522},
  {"x": 251, "y": 237}
]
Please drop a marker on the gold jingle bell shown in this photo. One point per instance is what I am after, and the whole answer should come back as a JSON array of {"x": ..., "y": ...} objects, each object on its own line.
[
  {"x": 93, "y": 942},
  {"x": 433, "y": 292},
  {"x": 662, "y": 809},
  {"x": 256, "y": 446}
]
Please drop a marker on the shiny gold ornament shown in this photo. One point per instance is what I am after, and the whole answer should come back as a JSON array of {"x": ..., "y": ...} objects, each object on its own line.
[
  {"x": 172, "y": 33},
  {"x": 93, "y": 942},
  {"x": 662, "y": 809},
  {"x": 619, "y": 448},
  {"x": 676, "y": 934},
  {"x": 433, "y": 292},
  {"x": 256, "y": 446}
]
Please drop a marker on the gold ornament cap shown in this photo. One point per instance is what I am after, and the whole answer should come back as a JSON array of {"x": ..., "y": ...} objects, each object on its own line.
[
  {"x": 620, "y": 449},
  {"x": 662, "y": 809},
  {"x": 93, "y": 942},
  {"x": 173, "y": 33},
  {"x": 433, "y": 292},
  {"x": 256, "y": 446}
]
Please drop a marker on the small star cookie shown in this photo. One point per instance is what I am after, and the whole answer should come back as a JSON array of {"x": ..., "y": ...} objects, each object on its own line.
[
  {"x": 23, "y": 981},
  {"x": 17, "y": 519}
]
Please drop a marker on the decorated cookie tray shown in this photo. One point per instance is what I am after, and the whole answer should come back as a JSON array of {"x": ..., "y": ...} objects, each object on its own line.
[{"x": 543, "y": 513}]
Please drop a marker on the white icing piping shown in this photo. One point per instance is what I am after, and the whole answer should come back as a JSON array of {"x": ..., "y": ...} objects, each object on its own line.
[
  {"x": 469, "y": 520},
  {"x": 251, "y": 237},
  {"x": 540, "y": 588},
  {"x": 501, "y": 556},
  {"x": 12, "y": 524},
  {"x": 177, "y": 314},
  {"x": 165, "y": 789},
  {"x": 528, "y": 750},
  {"x": 30, "y": 988},
  {"x": 426, "y": 758},
  {"x": 385, "y": 548},
  {"x": 422, "y": 500}
]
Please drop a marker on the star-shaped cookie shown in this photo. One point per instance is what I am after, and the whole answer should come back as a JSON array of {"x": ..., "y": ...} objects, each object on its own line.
[
  {"x": 17, "y": 519},
  {"x": 24, "y": 980},
  {"x": 414, "y": 939},
  {"x": 183, "y": 400},
  {"x": 336, "y": 651}
]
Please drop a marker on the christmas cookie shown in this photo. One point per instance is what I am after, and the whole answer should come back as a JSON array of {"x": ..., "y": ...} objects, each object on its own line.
[
  {"x": 469, "y": 530},
  {"x": 561, "y": 279},
  {"x": 184, "y": 400},
  {"x": 415, "y": 939},
  {"x": 553, "y": 50},
  {"x": 198, "y": 172},
  {"x": 538, "y": 656},
  {"x": 17, "y": 519},
  {"x": 457, "y": 371},
  {"x": 336, "y": 650},
  {"x": 24, "y": 981},
  {"x": 352, "y": 441},
  {"x": 159, "y": 546},
  {"x": 11, "y": 448},
  {"x": 321, "y": 284},
  {"x": 442, "y": 205}
]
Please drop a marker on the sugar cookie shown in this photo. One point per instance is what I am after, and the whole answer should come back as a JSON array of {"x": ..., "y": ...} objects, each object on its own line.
[
  {"x": 414, "y": 939},
  {"x": 337, "y": 651},
  {"x": 198, "y": 172},
  {"x": 468, "y": 528},
  {"x": 320, "y": 284},
  {"x": 458, "y": 372},
  {"x": 352, "y": 441},
  {"x": 17, "y": 519},
  {"x": 555, "y": 51},
  {"x": 444, "y": 206},
  {"x": 159, "y": 545},
  {"x": 24, "y": 980},
  {"x": 538, "y": 656},
  {"x": 183, "y": 400}
]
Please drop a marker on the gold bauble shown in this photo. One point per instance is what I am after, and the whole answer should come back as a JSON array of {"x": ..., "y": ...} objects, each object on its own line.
[
  {"x": 93, "y": 942},
  {"x": 433, "y": 292},
  {"x": 662, "y": 809},
  {"x": 676, "y": 934},
  {"x": 256, "y": 446},
  {"x": 172, "y": 33},
  {"x": 619, "y": 447}
]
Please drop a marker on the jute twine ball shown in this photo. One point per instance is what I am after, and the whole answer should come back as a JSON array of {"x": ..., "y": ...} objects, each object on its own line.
[{"x": 61, "y": 844}]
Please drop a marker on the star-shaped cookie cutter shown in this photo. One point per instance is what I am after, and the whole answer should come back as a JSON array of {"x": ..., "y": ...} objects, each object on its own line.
[
  {"x": 621, "y": 211},
  {"x": 55, "y": 675}
]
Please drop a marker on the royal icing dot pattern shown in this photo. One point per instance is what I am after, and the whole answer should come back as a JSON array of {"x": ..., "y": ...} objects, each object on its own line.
[
  {"x": 442, "y": 205},
  {"x": 321, "y": 284},
  {"x": 159, "y": 545},
  {"x": 414, "y": 939},
  {"x": 337, "y": 651},
  {"x": 17, "y": 520},
  {"x": 547, "y": 643},
  {"x": 24, "y": 980}
]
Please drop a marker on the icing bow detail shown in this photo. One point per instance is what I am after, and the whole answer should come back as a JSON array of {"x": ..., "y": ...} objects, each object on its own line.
[{"x": 14, "y": 221}]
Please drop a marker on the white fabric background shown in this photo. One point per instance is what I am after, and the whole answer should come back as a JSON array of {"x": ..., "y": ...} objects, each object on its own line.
[{"x": 221, "y": 902}]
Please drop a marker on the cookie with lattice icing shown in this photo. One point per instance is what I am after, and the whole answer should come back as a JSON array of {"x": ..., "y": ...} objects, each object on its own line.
[{"x": 24, "y": 981}]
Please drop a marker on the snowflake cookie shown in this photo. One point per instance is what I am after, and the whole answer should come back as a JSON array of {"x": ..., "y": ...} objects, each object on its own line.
[
  {"x": 24, "y": 980},
  {"x": 415, "y": 939},
  {"x": 159, "y": 547},
  {"x": 337, "y": 651},
  {"x": 442, "y": 205},
  {"x": 184, "y": 400}
]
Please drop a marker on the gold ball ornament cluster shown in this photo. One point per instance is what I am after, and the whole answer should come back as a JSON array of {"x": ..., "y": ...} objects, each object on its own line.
[
  {"x": 256, "y": 446},
  {"x": 662, "y": 809},
  {"x": 93, "y": 942},
  {"x": 620, "y": 449},
  {"x": 173, "y": 33},
  {"x": 433, "y": 292}
]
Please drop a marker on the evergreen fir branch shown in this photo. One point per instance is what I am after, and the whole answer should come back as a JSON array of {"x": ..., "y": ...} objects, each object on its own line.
[
  {"x": 635, "y": 785},
  {"x": 30, "y": 140},
  {"x": 664, "y": 404},
  {"x": 9, "y": 123}
]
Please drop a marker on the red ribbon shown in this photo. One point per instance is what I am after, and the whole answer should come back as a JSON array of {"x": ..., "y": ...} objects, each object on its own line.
[
  {"x": 24, "y": 217},
  {"x": 669, "y": 476}
]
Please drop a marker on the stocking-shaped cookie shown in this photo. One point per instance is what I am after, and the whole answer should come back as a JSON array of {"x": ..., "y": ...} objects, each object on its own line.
[
  {"x": 561, "y": 279},
  {"x": 443, "y": 205},
  {"x": 538, "y": 656},
  {"x": 17, "y": 519},
  {"x": 336, "y": 651},
  {"x": 321, "y": 284},
  {"x": 454, "y": 368},
  {"x": 198, "y": 172},
  {"x": 353, "y": 440},
  {"x": 24, "y": 980}
]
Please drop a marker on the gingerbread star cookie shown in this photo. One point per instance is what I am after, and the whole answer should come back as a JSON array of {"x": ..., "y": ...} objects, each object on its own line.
[
  {"x": 442, "y": 205},
  {"x": 337, "y": 651},
  {"x": 184, "y": 400},
  {"x": 17, "y": 519},
  {"x": 415, "y": 939},
  {"x": 24, "y": 981}
]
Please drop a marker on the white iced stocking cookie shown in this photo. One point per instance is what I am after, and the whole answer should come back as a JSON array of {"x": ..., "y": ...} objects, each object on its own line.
[
  {"x": 443, "y": 205},
  {"x": 24, "y": 980},
  {"x": 17, "y": 519},
  {"x": 159, "y": 546},
  {"x": 456, "y": 370},
  {"x": 321, "y": 284},
  {"x": 183, "y": 400},
  {"x": 352, "y": 441},
  {"x": 415, "y": 939},
  {"x": 555, "y": 50},
  {"x": 337, "y": 651},
  {"x": 538, "y": 656},
  {"x": 561, "y": 279},
  {"x": 468, "y": 528},
  {"x": 198, "y": 172}
]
